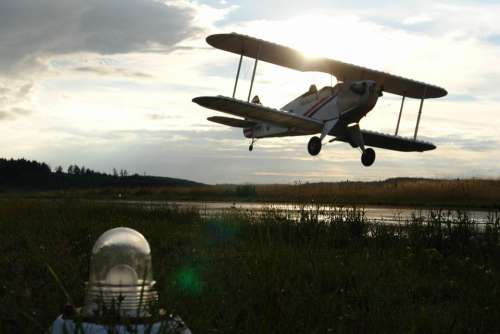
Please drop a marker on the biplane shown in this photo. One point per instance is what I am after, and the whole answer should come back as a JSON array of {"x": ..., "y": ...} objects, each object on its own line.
[{"x": 330, "y": 111}]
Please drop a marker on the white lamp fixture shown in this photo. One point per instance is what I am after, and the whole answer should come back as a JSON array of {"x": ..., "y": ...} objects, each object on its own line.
[{"x": 121, "y": 277}]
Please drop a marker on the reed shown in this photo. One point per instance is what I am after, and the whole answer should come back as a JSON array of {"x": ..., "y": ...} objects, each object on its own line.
[{"x": 431, "y": 193}]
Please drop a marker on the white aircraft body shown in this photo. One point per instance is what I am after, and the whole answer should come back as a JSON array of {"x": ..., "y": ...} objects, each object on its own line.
[{"x": 331, "y": 111}]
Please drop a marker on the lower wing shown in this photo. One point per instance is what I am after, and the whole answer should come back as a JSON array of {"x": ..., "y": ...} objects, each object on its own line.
[
  {"x": 256, "y": 112},
  {"x": 234, "y": 122},
  {"x": 391, "y": 142}
]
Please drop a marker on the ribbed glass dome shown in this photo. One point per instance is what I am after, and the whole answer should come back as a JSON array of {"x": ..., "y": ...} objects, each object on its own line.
[{"x": 121, "y": 276}]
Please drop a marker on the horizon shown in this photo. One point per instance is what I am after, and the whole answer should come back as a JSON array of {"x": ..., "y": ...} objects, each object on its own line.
[
  {"x": 94, "y": 84},
  {"x": 119, "y": 172}
]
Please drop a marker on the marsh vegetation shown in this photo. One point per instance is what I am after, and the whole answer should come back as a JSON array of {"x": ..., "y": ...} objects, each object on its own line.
[
  {"x": 403, "y": 192},
  {"x": 267, "y": 273}
]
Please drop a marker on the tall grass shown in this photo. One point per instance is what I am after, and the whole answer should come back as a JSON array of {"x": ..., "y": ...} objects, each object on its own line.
[
  {"x": 324, "y": 271},
  {"x": 466, "y": 193}
]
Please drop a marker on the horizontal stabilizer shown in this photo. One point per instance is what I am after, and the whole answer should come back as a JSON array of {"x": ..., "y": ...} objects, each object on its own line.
[
  {"x": 234, "y": 122},
  {"x": 287, "y": 57},
  {"x": 391, "y": 142},
  {"x": 259, "y": 113}
]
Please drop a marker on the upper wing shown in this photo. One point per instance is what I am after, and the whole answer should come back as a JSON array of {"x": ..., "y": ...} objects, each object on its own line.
[
  {"x": 288, "y": 57},
  {"x": 259, "y": 113},
  {"x": 392, "y": 142}
]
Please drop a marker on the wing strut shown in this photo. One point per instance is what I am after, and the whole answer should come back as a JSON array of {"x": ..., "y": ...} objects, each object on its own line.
[
  {"x": 420, "y": 113},
  {"x": 253, "y": 74},
  {"x": 400, "y": 113},
  {"x": 237, "y": 75}
]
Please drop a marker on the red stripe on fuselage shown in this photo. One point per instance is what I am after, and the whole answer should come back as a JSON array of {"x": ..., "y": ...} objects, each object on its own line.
[{"x": 318, "y": 106}]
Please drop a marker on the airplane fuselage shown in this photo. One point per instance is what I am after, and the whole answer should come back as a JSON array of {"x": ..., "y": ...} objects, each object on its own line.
[{"x": 347, "y": 102}]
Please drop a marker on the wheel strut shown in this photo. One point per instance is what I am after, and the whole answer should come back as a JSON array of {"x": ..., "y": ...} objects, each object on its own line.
[{"x": 250, "y": 148}]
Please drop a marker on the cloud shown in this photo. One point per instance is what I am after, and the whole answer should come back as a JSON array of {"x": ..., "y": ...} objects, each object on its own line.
[
  {"x": 13, "y": 113},
  {"x": 42, "y": 40},
  {"x": 34, "y": 29},
  {"x": 419, "y": 19},
  {"x": 24, "y": 90},
  {"x": 16, "y": 91},
  {"x": 14, "y": 99},
  {"x": 112, "y": 71},
  {"x": 4, "y": 115},
  {"x": 468, "y": 143},
  {"x": 158, "y": 117}
]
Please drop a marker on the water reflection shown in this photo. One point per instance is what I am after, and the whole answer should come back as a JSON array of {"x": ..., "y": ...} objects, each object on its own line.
[{"x": 386, "y": 215}]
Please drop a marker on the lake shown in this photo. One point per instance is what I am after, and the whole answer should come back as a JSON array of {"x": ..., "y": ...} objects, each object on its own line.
[{"x": 388, "y": 215}]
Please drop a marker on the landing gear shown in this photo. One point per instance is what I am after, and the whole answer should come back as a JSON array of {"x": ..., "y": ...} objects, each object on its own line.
[
  {"x": 368, "y": 157},
  {"x": 314, "y": 146},
  {"x": 250, "y": 148}
]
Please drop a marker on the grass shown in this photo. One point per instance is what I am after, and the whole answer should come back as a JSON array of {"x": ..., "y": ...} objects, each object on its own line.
[{"x": 246, "y": 273}]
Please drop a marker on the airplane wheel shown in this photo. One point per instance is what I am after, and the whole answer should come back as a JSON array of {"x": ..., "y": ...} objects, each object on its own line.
[
  {"x": 250, "y": 148},
  {"x": 368, "y": 157},
  {"x": 314, "y": 146}
]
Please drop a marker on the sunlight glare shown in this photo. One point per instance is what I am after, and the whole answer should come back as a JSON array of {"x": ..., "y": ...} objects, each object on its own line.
[{"x": 343, "y": 38}]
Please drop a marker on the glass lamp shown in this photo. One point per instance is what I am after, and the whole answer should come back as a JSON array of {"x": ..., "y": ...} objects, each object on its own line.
[{"x": 121, "y": 277}]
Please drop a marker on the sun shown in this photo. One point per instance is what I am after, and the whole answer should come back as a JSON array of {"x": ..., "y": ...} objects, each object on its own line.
[{"x": 345, "y": 38}]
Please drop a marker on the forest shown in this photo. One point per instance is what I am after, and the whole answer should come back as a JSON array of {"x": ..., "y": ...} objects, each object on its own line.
[{"x": 22, "y": 174}]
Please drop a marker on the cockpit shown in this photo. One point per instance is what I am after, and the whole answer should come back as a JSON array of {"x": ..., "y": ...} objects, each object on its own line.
[
  {"x": 310, "y": 96},
  {"x": 314, "y": 90}
]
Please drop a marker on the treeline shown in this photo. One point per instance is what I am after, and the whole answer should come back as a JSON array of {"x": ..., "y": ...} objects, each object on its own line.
[{"x": 34, "y": 175}]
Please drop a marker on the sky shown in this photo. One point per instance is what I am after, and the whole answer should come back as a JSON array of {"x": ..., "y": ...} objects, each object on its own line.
[{"x": 109, "y": 83}]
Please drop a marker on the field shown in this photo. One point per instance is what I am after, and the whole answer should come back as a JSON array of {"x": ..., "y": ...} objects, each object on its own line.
[{"x": 243, "y": 273}]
